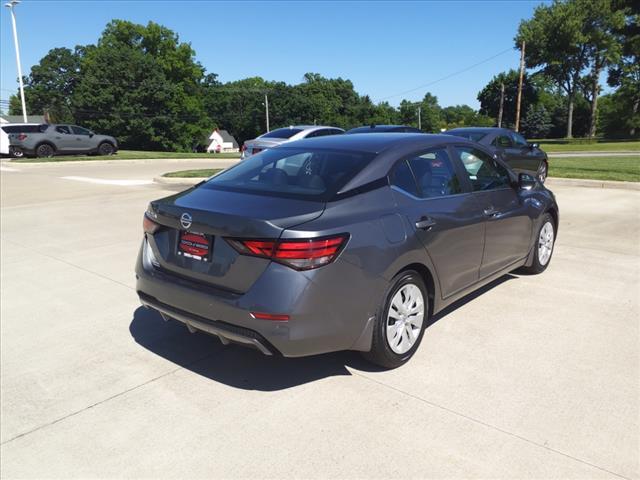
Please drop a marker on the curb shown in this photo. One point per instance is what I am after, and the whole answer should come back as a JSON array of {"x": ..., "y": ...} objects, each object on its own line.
[
  {"x": 178, "y": 181},
  {"x": 579, "y": 182}
]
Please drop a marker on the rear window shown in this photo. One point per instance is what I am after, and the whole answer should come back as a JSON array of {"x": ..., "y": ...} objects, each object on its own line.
[
  {"x": 304, "y": 174},
  {"x": 473, "y": 136},
  {"x": 24, "y": 128},
  {"x": 282, "y": 133}
]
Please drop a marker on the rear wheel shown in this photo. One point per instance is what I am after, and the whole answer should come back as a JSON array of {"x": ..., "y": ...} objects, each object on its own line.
[
  {"x": 106, "y": 148},
  {"x": 400, "y": 321},
  {"x": 45, "y": 150},
  {"x": 15, "y": 152},
  {"x": 544, "y": 246}
]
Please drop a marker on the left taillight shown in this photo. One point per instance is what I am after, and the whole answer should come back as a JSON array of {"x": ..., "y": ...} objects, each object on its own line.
[
  {"x": 299, "y": 254},
  {"x": 148, "y": 225},
  {"x": 22, "y": 136}
]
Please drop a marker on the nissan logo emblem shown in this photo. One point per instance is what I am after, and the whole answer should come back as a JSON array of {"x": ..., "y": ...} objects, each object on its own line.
[{"x": 185, "y": 220}]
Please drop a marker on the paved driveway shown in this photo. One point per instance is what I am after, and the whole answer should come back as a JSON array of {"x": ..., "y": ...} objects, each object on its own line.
[{"x": 533, "y": 377}]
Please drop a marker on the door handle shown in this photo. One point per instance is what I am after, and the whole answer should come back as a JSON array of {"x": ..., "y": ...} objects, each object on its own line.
[
  {"x": 490, "y": 212},
  {"x": 425, "y": 223}
]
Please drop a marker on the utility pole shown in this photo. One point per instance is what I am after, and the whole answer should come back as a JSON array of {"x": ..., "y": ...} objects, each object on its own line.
[
  {"x": 501, "y": 105},
  {"x": 419, "y": 117},
  {"x": 520, "y": 88},
  {"x": 10, "y": 6},
  {"x": 266, "y": 107}
]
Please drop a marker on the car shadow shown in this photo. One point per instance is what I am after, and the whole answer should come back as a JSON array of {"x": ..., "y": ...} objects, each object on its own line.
[{"x": 248, "y": 369}]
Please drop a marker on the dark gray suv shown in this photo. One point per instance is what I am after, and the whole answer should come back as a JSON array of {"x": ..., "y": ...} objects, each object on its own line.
[
  {"x": 348, "y": 242},
  {"x": 50, "y": 140}
]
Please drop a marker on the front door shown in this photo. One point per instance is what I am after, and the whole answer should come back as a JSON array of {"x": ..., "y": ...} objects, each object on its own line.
[
  {"x": 83, "y": 139},
  {"x": 65, "y": 139},
  {"x": 443, "y": 214},
  {"x": 508, "y": 223}
]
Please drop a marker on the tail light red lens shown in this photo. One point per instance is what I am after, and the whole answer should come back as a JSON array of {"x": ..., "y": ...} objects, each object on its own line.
[
  {"x": 22, "y": 136},
  {"x": 300, "y": 254},
  {"x": 149, "y": 226},
  {"x": 270, "y": 316},
  {"x": 243, "y": 148}
]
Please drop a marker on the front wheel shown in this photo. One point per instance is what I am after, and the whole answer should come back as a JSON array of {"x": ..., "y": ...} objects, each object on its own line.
[
  {"x": 543, "y": 171},
  {"x": 45, "y": 151},
  {"x": 106, "y": 149},
  {"x": 400, "y": 321},
  {"x": 543, "y": 247}
]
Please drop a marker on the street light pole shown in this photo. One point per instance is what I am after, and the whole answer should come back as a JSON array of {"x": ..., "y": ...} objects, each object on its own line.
[
  {"x": 10, "y": 6},
  {"x": 266, "y": 107},
  {"x": 419, "y": 117}
]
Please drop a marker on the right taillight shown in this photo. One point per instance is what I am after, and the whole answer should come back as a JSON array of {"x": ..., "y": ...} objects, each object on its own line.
[
  {"x": 300, "y": 254},
  {"x": 22, "y": 136}
]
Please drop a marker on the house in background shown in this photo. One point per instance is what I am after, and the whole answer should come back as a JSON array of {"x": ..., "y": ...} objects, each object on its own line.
[{"x": 222, "y": 141}]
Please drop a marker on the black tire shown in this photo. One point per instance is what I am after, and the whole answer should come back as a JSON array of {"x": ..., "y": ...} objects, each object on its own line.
[
  {"x": 381, "y": 353},
  {"x": 45, "y": 150},
  {"x": 105, "y": 148},
  {"x": 543, "y": 172},
  {"x": 538, "y": 265},
  {"x": 15, "y": 152}
]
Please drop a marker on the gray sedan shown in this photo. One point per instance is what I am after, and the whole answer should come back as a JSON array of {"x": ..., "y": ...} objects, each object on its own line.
[
  {"x": 348, "y": 242},
  {"x": 283, "y": 135}
]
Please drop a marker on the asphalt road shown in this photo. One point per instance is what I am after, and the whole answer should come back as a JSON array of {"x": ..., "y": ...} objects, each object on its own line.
[{"x": 535, "y": 377}]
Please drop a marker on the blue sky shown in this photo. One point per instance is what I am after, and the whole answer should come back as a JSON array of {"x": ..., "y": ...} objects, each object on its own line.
[{"x": 384, "y": 48}]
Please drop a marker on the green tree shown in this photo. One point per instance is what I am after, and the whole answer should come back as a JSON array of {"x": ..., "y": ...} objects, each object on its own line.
[
  {"x": 556, "y": 42},
  {"x": 489, "y": 96},
  {"x": 51, "y": 84},
  {"x": 142, "y": 85},
  {"x": 625, "y": 73},
  {"x": 537, "y": 122}
]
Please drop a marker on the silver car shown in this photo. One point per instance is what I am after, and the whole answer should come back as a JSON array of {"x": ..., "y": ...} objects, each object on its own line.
[{"x": 283, "y": 135}]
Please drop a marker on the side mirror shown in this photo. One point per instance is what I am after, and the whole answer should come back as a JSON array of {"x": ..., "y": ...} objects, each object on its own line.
[
  {"x": 526, "y": 181},
  {"x": 91, "y": 134},
  {"x": 533, "y": 145}
]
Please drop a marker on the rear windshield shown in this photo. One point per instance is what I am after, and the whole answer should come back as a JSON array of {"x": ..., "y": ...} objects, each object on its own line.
[
  {"x": 473, "y": 136},
  {"x": 304, "y": 174},
  {"x": 282, "y": 133},
  {"x": 24, "y": 128}
]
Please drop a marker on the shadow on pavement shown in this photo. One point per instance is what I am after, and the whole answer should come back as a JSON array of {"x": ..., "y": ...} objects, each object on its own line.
[{"x": 248, "y": 369}]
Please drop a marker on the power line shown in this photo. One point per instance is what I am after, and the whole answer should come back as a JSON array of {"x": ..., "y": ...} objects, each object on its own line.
[{"x": 448, "y": 76}]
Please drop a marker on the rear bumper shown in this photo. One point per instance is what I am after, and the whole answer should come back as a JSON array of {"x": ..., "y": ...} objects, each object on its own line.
[{"x": 330, "y": 309}]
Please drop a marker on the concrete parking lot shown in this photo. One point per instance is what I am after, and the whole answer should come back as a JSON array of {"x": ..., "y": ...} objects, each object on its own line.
[{"x": 534, "y": 377}]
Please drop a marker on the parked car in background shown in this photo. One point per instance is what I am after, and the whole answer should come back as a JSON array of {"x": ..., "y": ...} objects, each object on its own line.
[
  {"x": 348, "y": 242},
  {"x": 385, "y": 129},
  {"x": 511, "y": 147},
  {"x": 283, "y": 135},
  {"x": 50, "y": 140},
  {"x": 6, "y": 150}
]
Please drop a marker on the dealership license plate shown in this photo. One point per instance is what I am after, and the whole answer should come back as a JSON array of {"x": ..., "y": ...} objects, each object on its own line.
[{"x": 194, "y": 245}]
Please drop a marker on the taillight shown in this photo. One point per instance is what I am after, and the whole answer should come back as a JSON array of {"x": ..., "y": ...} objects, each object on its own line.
[
  {"x": 244, "y": 147},
  {"x": 22, "y": 136},
  {"x": 300, "y": 254},
  {"x": 148, "y": 225}
]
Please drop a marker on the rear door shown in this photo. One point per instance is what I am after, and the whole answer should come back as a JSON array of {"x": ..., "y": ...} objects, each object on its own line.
[
  {"x": 443, "y": 214},
  {"x": 508, "y": 224}
]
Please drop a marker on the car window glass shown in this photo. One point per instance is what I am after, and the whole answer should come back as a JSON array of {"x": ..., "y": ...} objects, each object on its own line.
[
  {"x": 518, "y": 139},
  {"x": 63, "y": 129},
  {"x": 485, "y": 173},
  {"x": 402, "y": 178},
  {"x": 282, "y": 133},
  {"x": 502, "y": 141},
  {"x": 434, "y": 174},
  {"x": 79, "y": 130},
  {"x": 319, "y": 133},
  {"x": 292, "y": 173}
]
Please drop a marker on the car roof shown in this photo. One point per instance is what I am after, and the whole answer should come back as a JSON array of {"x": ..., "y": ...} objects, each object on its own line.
[
  {"x": 304, "y": 127},
  {"x": 477, "y": 129},
  {"x": 380, "y": 128},
  {"x": 363, "y": 142}
]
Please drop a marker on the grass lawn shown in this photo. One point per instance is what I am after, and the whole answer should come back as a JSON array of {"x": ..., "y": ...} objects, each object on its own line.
[
  {"x": 206, "y": 172},
  {"x": 574, "y": 146},
  {"x": 130, "y": 155},
  {"x": 625, "y": 169}
]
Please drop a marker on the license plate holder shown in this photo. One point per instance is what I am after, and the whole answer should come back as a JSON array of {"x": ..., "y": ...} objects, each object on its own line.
[{"x": 194, "y": 245}]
